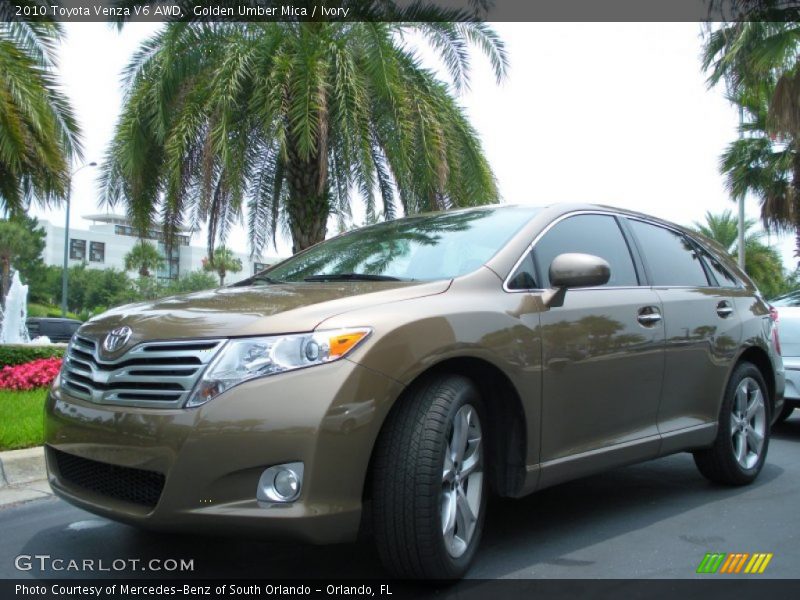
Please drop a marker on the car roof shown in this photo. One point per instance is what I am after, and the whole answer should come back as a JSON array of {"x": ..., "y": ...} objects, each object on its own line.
[
  {"x": 53, "y": 319},
  {"x": 546, "y": 213}
]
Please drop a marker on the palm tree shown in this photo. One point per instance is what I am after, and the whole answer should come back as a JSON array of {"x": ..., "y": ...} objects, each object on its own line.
[
  {"x": 759, "y": 164},
  {"x": 288, "y": 119},
  {"x": 144, "y": 258},
  {"x": 762, "y": 262},
  {"x": 222, "y": 262},
  {"x": 38, "y": 131},
  {"x": 758, "y": 61}
]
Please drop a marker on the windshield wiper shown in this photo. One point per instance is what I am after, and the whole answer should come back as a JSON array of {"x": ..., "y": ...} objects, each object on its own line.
[
  {"x": 257, "y": 279},
  {"x": 352, "y": 277}
]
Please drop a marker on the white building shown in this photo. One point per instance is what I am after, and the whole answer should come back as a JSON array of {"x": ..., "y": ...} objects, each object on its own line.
[{"x": 110, "y": 237}]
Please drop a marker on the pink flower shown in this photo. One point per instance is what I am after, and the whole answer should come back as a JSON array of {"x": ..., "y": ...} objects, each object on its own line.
[{"x": 35, "y": 374}]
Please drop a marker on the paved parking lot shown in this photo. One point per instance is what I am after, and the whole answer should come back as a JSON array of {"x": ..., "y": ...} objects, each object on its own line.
[{"x": 655, "y": 520}]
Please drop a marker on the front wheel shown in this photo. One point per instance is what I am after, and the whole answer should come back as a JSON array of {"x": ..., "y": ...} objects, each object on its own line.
[
  {"x": 742, "y": 441},
  {"x": 428, "y": 493}
]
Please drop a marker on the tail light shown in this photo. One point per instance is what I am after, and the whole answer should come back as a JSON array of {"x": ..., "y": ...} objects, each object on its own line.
[{"x": 776, "y": 341}]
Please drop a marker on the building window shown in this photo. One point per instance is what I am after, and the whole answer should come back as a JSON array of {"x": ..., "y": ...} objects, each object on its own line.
[
  {"x": 150, "y": 234},
  {"x": 258, "y": 267},
  {"x": 77, "y": 249},
  {"x": 171, "y": 270},
  {"x": 97, "y": 252}
]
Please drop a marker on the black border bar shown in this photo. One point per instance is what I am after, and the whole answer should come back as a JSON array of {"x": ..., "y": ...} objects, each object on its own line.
[
  {"x": 523, "y": 589},
  {"x": 399, "y": 10}
]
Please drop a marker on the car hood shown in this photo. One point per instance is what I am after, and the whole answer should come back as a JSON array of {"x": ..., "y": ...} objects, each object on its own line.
[{"x": 254, "y": 310}]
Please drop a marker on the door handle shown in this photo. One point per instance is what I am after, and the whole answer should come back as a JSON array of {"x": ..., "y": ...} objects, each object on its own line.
[
  {"x": 648, "y": 316},
  {"x": 724, "y": 309}
]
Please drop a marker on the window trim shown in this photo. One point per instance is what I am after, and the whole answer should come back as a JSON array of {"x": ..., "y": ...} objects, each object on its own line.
[
  {"x": 635, "y": 258},
  {"x": 639, "y": 261}
]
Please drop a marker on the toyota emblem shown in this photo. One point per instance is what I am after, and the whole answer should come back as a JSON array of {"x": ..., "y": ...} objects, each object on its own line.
[{"x": 117, "y": 338}]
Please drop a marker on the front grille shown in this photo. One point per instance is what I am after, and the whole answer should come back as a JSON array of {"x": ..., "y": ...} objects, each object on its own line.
[
  {"x": 136, "y": 486},
  {"x": 151, "y": 374}
]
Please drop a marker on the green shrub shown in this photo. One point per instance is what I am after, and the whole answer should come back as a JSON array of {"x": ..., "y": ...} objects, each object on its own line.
[
  {"x": 37, "y": 310},
  {"x": 12, "y": 354},
  {"x": 47, "y": 310}
]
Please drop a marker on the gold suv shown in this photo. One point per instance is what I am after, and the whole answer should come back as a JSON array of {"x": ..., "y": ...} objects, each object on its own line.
[{"x": 395, "y": 375}]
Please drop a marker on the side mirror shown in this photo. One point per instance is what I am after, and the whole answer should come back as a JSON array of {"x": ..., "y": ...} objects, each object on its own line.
[{"x": 574, "y": 270}]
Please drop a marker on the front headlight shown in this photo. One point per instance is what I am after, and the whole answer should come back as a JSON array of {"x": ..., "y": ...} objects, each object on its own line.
[{"x": 247, "y": 358}]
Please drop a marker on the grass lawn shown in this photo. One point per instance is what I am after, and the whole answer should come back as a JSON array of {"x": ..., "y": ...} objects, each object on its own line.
[{"x": 21, "y": 415}]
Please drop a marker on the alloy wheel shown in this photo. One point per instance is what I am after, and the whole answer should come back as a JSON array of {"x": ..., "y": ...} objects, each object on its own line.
[
  {"x": 748, "y": 423},
  {"x": 462, "y": 481}
]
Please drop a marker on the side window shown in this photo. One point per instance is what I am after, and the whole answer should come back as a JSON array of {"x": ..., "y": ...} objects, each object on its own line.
[
  {"x": 724, "y": 278},
  {"x": 599, "y": 235},
  {"x": 672, "y": 259},
  {"x": 524, "y": 277}
]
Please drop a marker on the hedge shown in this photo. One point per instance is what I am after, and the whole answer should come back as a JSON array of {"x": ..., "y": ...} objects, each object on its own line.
[
  {"x": 15, "y": 354},
  {"x": 48, "y": 310}
]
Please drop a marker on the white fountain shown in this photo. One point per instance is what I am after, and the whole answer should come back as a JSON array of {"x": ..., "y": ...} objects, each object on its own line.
[{"x": 12, "y": 321}]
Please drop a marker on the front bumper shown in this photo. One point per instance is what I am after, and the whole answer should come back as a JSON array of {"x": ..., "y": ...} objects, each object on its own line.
[{"x": 211, "y": 457}]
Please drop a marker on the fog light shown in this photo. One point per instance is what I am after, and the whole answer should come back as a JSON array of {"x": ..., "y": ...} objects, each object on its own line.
[
  {"x": 281, "y": 483},
  {"x": 286, "y": 483}
]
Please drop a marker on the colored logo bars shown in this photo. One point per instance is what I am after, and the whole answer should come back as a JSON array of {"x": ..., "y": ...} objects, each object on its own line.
[{"x": 721, "y": 562}]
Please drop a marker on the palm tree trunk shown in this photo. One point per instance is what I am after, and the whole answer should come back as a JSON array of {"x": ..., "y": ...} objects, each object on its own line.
[
  {"x": 308, "y": 204},
  {"x": 796, "y": 198},
  {"x": 5, "y": 280}
]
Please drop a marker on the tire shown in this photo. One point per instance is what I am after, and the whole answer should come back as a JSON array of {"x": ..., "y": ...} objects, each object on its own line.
[
  {"x": 737, "y": 456},
  {"x": 786, "y": 412},
  {"x": 428, "y": 469}
]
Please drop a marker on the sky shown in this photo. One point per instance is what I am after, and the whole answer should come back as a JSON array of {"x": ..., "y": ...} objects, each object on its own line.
[{"x": 616, "y": 114}]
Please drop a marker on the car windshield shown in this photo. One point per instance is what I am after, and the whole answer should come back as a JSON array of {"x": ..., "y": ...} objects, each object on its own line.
[
  {"x": 792, "y": 299},
  {"x": 425, "y": 247}
]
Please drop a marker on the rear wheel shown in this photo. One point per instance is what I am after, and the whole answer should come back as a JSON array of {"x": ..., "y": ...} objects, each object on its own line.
[
  {"x": 429, "y": 492},
  {"x": 742, "y": 441}
]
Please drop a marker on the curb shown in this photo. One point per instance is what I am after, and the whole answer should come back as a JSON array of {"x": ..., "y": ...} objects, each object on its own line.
[{"x": 22, "y": 466}]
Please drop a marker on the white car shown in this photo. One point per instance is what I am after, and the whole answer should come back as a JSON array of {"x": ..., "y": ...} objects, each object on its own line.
[{"x": 788, "y": 314}]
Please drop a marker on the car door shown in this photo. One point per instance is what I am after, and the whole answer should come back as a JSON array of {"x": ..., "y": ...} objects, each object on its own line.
[
  {"x": 703, "y": 327},
  {"x": 602, "y": 350}
]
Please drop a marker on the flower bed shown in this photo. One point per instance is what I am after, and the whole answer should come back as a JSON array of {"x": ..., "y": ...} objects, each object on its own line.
[{"x": 31, "y": 375}]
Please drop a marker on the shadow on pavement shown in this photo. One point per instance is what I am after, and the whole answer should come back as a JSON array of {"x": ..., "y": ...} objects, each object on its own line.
[{"x": 539, "y": 529}]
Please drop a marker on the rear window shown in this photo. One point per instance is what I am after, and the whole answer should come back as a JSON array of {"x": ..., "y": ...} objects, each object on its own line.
[{"x": 721, "y": 274}]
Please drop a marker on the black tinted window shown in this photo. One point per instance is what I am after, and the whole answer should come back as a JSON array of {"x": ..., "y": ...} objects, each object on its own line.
[
  {"x": 588, "y": 234},
  {"x": 723, "y": 277},
  {"x": 524, "y": 278},
  {"x": 672, "y": 259}
]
